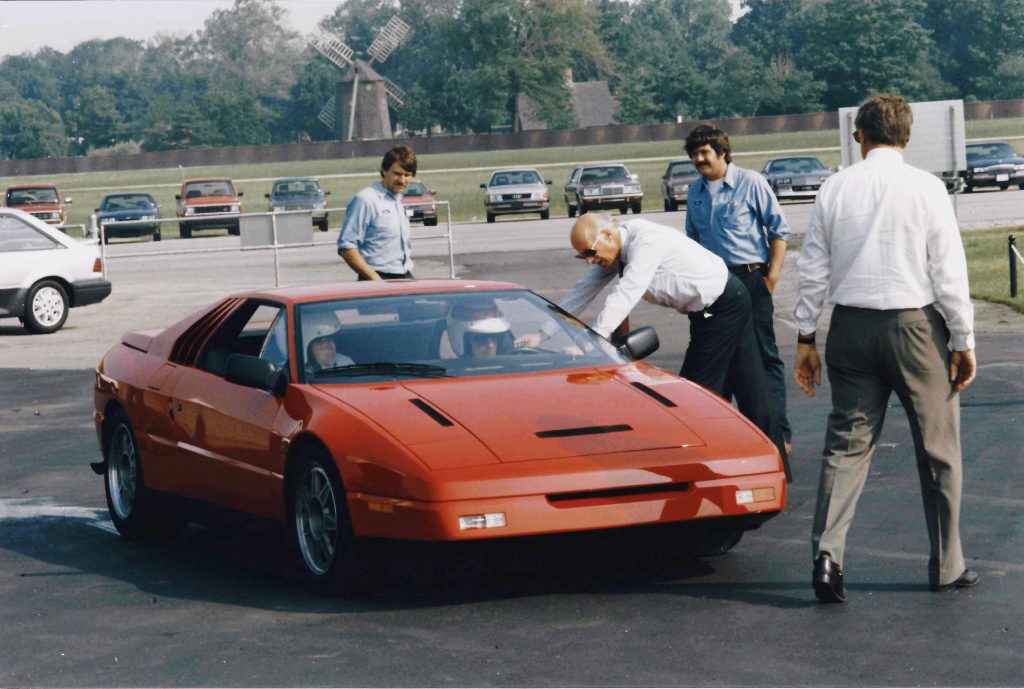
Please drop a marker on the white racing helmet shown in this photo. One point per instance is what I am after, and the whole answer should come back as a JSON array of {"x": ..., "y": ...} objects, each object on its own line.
[
  {"x": 318, "y": 326},
  {"x": 474, "y": 318}
]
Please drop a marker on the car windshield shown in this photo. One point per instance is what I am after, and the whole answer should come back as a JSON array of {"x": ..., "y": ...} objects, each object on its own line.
[
  {"x": 122, "y": 202},
  {"x": 416, "y": 189},
  {"x": 195, "y": 190},
  {"x": 296, "y": 187},
  {"x": 509, "y": 177},
  {"x": 604, "y": 173},
  {"x": 440, "y": 335},
  {"x": 681, "y": 168},
  {"x": 993, "y": 150},
  {"x": 796, "y": 165},
  {"x": 24, "y": 197}
]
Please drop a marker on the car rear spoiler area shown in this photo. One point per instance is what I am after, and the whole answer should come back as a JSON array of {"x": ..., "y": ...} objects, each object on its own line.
[{"x": 139, "y": 340}]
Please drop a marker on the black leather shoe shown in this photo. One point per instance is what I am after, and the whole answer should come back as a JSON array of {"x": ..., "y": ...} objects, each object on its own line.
[
  {"x": 966, "y": 580},
  {"x": 828, "y": 580}
]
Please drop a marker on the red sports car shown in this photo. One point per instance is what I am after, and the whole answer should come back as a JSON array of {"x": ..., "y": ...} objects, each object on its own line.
[{"x": 404, "y": 410}]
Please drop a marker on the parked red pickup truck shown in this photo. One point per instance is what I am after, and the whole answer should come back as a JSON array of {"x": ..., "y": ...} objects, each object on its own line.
[
  {"x": 207, "y": 203},
  {"x": 41, "y": 200}
]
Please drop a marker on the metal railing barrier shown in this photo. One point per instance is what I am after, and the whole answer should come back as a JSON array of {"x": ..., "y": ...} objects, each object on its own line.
[
  {"x": 1015, "y": 256},
  {"x": 267, "y": 231}
]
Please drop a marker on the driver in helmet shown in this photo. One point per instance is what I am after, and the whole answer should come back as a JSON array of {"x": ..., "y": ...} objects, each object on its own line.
[
  {"x": 478, "y": 330},
  {"x": 321, "y": 349}
]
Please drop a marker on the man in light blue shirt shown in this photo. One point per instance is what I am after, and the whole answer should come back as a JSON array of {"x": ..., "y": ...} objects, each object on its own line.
[
  {"x": 733, "y": 213},
  {"x": 374, "y": 239}
]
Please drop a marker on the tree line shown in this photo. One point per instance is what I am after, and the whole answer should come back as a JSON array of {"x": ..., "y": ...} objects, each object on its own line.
[{"x": 246, "y": 79}]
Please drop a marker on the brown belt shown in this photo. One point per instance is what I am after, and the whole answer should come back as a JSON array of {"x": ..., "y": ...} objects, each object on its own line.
[{"x": 748, "y": 268}]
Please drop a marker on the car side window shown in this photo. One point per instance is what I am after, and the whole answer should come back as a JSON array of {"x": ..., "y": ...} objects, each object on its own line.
[
  {"x": 275, "y": 347},
  {"x": 17, "y": 235},
  {"x": 246, "y": 331}
]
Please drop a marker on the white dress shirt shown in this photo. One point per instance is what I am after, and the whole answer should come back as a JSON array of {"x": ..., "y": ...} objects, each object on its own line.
[
  {"x": 661, "y": 265},
  {"x": 883, "y": 235}
]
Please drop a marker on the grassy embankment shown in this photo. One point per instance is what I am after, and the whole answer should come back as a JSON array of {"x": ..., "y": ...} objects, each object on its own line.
[{"x": 456, "y": 178}]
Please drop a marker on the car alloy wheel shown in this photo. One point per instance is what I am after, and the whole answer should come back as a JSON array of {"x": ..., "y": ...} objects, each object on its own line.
[
  {"x": 47, "y": 307},
  {"x": 316, "y": 519},
  {"x": 122, "y": 472}
]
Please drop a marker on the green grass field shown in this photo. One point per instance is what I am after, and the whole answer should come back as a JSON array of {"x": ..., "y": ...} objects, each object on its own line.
[{"x": 988, "y": 266}]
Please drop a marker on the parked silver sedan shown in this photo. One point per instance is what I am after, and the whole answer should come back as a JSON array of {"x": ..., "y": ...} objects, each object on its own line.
[
  {"x": 797, "y": 177},
  {"x": 516, "y": 190}
]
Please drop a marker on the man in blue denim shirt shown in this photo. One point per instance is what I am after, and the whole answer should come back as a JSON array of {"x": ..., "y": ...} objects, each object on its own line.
[
  {"x": 374, "y": 239},
  {"x": 733, "y": 213}
]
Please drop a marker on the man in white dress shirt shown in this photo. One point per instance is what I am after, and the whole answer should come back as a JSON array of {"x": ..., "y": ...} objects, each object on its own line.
[
  {"x": 663, "y": 266},
  {"x": 884, "y": 246}
]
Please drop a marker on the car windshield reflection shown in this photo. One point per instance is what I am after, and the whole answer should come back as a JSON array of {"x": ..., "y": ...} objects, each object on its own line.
[{"x": 441, "y": 335}]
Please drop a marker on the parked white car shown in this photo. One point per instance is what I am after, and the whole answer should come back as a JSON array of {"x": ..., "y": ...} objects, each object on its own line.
[{"x": 44, "y": 272}]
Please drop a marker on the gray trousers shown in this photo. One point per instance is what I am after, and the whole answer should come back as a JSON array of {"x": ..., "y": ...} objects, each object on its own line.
[{"x": 870, "y": 354}]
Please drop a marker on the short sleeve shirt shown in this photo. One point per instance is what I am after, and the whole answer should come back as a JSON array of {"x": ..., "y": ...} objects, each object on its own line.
[{"x": 377, "y": 226}]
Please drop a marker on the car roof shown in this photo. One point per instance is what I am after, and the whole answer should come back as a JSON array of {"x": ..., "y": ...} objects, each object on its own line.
[
  {"x": 43, "y": 185},
  {"x": 377, "y": 288},
  {"x": 128, "y": 193},
  {"x": 296, "y": 179},
  {"x": 516, "y": 169},
  {"x": 208, "y": 179}
]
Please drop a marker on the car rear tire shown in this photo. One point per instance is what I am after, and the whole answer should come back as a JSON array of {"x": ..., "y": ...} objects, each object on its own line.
[
  {"x": 322, "y": 225},
  {"x": 185, "y": 230},
  {"x": 323, "y": 532},
  {"x": 131, "y": 505},
  {"x": 46, "y": 308},
  {"x": 490, "y": 217}
]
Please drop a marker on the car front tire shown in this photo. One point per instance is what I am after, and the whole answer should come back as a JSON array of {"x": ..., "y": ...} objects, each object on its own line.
[
  {"x": 544, "y": 215},
  {"x": 320, "y": 522},
  {"x": 637, "y": 207},
  {"x": 490, "y": 217},
  {"x": 46, "y": 309},
  {"x": 430, "y": 222},
  {"x": 322, "y": 225}
]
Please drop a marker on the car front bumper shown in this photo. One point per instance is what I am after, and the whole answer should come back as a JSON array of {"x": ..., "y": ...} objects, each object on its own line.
[
  {"x": 609, "y": 202},
  {"x": 994, "y": 177},
  {"x": 580, "y": 498},
  {"x": 520, "y": 206}
]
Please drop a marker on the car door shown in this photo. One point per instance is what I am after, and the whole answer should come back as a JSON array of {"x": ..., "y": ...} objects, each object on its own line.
[
  {"x": 572, "y": 184},
  {"x": 231, "y": 438}
]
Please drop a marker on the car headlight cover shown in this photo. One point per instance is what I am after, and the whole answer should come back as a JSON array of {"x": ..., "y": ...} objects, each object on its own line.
[
  {"x": 631, "y": 188},
  {"x": 591, "y": 191}
]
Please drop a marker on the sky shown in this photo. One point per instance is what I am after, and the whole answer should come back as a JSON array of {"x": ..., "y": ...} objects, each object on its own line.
[{"x": 62, "y": 24}]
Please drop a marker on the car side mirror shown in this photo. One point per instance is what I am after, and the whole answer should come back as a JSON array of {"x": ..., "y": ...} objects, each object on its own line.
[
  {"x": 67, "y": 200},
  {"x": 241, "y": 193},
  {"x": 483, "y": 186},
  {"x": 266, "y": 196},
  {"x": 547, "y": 181},
  {"x": 177, "y": 197},
  {"x": 640, "y": 343},
  {"x": 254, "y": 372},
  {"x": 327, "y": 193},
  {"x": 95, "y": 210},
  {"x": 634, "y": 178}
]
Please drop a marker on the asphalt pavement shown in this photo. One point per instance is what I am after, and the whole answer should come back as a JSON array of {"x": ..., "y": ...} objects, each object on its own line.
[{"x": 223, "y": 604}]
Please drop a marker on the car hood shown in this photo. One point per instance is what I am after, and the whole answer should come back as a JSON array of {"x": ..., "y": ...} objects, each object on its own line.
[
  {"x": 516, "y": 188},
  {"x": 297, "y": 199},
  {"x": 127, "y": 214},
  {"x": 211, "y": 200},
  {"x": 473, "y": 421},
  {"x": 982, "y": 161},
  {"x": 427, "y": 198}
]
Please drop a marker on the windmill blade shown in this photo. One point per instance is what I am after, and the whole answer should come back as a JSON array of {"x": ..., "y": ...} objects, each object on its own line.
[
  {"x": 388, "y": 39},
  {"x": 326, "y": 114},
  {"x": 396, "y": 94},
  {"x": 332, "y": 48}
]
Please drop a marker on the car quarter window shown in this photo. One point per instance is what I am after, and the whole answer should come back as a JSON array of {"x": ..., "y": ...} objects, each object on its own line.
[
  {"x": 249, "y": 330},
  {"x": 17, "y": 235}
]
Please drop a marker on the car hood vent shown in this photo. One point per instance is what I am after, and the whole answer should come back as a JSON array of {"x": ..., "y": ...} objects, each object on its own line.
[
  {"x": 441, "y": 419},
  {"x": 587, "y": 430}
]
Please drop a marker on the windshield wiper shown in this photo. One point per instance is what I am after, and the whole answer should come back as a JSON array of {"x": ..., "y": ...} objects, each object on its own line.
[{"x": 386, "y": 367}]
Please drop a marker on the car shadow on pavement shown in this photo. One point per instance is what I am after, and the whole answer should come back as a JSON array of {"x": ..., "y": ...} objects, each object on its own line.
[{"x": 256, "y": 567}]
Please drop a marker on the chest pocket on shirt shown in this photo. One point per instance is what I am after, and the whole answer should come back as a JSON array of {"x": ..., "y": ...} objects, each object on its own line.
[
  {"x": 736, "y": 217},
  {"x": 388, "y": 223}
]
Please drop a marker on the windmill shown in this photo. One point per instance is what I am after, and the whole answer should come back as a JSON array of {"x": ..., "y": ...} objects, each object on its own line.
[{"x": 366, "y": 108}]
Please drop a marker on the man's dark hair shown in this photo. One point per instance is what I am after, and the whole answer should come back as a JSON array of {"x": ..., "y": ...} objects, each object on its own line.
[
  {"x": 885, "y": 119},
  {"x": 715, "y": 138},
  {"x": 403, "y": 155}
]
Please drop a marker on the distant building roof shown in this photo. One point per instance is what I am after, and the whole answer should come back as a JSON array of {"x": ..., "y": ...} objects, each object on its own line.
[{"x": 592, "y": 103}]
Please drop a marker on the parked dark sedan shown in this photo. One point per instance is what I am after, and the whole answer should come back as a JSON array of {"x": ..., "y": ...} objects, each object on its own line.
[
  {"x": 129, "y": 214},
  {"x": 797, "y": 177},
  {"x": 993, "y": 164},
  {"x": 300, "y": 194},
  {"x": 676, "y": 182}
]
